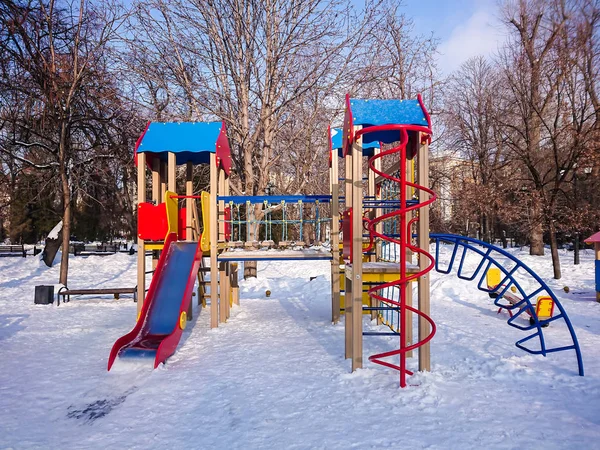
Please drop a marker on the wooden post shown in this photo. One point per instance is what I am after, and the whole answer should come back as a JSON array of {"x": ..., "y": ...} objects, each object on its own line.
[
  {"x": 597, "y": 251},
  {"x": 189, "y": 202},
  {"x": 348, "y": 282},
  {"x": 235, "y": 289},
  {"x": 423, "y": 283},
  {"x": 221, "y": 188},
  {"x": 141, "y": 247},
  {"x": 172, "y": 172},
  {"x": 221, "y": 238},
  {"x": 378, "y": 229},
  {"x": 357, "y": 240},
  {"x": 214, "y": 272},
  {"x": 163, "y": 179},
  {"x": 189, "y": 206},
  {"x": 408, "y": 325},
  {"x": 335, "y": 238},
  {"x": 156, "y": 192},
  {"x": 223, "y": 291},
  {"x": 156, "y": 198},
  {"x": 372, "y": 214}
]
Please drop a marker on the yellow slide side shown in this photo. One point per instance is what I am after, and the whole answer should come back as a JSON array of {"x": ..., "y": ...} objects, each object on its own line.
[{"x": 205, "y": 205}]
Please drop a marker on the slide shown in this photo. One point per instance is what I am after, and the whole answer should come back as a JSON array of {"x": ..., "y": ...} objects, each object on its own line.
[{"x": 162, "y": 318}]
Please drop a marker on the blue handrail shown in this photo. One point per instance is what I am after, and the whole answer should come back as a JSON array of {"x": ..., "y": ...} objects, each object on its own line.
[{"x": 525, "y": 305}]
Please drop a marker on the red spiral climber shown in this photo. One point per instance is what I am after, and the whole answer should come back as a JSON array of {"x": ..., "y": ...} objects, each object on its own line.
[{"x": 404, "y": 242}]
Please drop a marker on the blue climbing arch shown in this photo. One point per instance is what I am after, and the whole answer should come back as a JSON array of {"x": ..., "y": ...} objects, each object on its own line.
[{"x": 516, "y": 275}]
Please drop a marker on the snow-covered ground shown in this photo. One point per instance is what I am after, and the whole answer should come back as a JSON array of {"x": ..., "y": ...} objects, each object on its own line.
[{"x": 274, "y": 376}]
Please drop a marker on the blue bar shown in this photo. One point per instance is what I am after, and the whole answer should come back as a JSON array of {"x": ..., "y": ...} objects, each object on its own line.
[{"x": 254, "y": 199}]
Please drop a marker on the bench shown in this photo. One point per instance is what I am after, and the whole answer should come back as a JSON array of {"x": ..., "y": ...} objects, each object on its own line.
[
  {"x": 94, "y": 249},
  {"x": 116, "y": 292},
  {"x": 13, "y": 250},
  {"x": 544, "y": 305}
]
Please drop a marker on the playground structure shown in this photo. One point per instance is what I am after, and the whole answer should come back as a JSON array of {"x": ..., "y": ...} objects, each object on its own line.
[
  {"x": 595, "y": 239},
  {"x": 383, "y": 209}
]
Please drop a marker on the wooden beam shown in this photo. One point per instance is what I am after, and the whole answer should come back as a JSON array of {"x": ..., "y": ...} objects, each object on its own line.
[
  {"x": 156, "y": 192},
  {"x": 189, "y": 206},
  {"x": 391, "y": 169},
  {"x": 221, "y": 188},
  {"x": 163, "y": 180},
  {"x": 348, "y": 283},
  {"x": 141, "y": 248},
  {"x": 423, "y": 283},
  {"x": 172, "y": 172},
  {"x": 597, "y": 251},
  {"x": 156, "y": 198},
  {"x": 189, "y": 202},
  {"x": 408, "y": 325},
  {"x": 223, "y": 292},
  {"x": 378, "y": 229},
  {"x": 335, "y": 238},
  {"x": 214, "y": 272},
  {"x": 357, "y": 241}
]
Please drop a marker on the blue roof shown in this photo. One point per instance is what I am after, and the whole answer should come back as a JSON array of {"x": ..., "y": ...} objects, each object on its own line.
[
  {"x": 336, "y": 143},
  {"x": 386, "y": 112},
  {"x": 190, "y": 141}
]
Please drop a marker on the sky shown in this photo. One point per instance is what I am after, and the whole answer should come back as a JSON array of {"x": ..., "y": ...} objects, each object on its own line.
[{"x": 465, "y": 28}]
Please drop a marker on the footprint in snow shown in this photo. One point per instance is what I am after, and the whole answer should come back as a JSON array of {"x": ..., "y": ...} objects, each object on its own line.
[{"x": 97, "y": 409}]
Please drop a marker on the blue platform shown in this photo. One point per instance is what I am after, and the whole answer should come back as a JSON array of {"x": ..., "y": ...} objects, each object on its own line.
[
  {"x": 336, "y": 144},
  {"x": 190, "y": 141},
  {"x": 376, "y": 112}
]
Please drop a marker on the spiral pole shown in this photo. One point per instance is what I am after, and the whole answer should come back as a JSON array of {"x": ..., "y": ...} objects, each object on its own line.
[{"x": 404, "y": 242}]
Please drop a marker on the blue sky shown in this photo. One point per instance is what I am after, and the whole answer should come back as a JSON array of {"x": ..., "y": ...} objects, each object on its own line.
[{"x": 465, "y": 28}]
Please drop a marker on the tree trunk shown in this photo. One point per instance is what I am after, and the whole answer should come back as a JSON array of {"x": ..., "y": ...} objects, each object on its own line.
[
  {"x": 536, "y": 233},
  {"x": 576, "y": 250},
  {"x": 249, "y": 269},
  {"x": 554, "y": 250},
  {"x": 66, "y": 194},
  {"x": 254, "y": 212}
]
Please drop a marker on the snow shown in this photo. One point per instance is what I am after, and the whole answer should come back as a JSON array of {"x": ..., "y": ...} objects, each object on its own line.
[
  {"x": 54, "y": 232},
  {"x": 274, "y": 375}
]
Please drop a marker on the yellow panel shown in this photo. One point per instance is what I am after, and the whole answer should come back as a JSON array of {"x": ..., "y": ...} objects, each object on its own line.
[
  {"x": 205, "y": 206},
  {"x": 493, "y": 277},
  {"x": 172, "y": 212},
  {"x": 158, "y": 246},
  {"x": 544, "y": 307},
  {"x": 368, "y": 277}
]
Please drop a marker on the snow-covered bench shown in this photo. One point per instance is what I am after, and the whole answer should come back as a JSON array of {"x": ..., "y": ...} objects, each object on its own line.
[{"x": 116, "y": 292}]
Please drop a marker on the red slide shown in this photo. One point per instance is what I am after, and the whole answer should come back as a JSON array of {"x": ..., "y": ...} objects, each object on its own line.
[{"x": 162, "y": 319}]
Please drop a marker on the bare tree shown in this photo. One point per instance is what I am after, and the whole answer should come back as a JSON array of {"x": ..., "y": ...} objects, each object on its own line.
[
  {"x": 471, "y": 121},
  {"x": 58, "y": 47}
]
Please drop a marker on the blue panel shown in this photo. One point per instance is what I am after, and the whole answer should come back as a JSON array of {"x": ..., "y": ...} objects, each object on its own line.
[
  {"x": 190, "y": 141},
  {"x": 336, "y": 144},
  {"x": 386, "y": 112},
  {"x": 598, "y": 275},
  {"x": 164, "y": 313}
]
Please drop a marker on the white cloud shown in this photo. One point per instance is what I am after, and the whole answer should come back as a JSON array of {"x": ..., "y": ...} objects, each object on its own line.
[{"x": 480, "y": 35}]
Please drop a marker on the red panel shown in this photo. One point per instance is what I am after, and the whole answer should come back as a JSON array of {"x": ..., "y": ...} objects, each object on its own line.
[
  {"x": 227, "y": 223},
  {"x": 223, "y": 151},
  {"x": 181, "y": 224},
  {"x": 152, "y": 222},
  {"x": 348, "y": 131},
  {"x": 149, "y": 156},
  {"x": 347, "y": 232}
]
